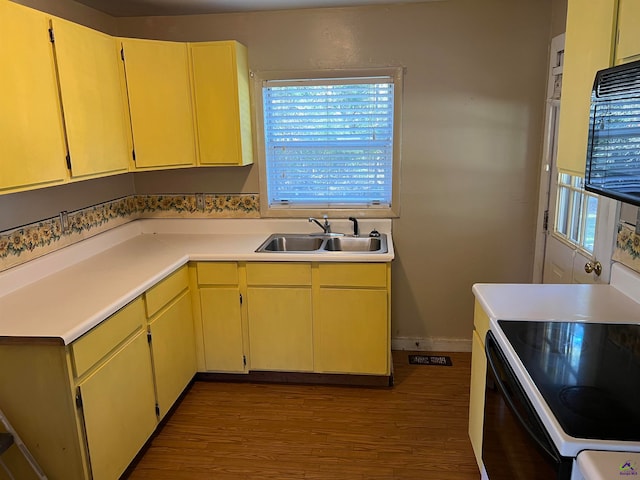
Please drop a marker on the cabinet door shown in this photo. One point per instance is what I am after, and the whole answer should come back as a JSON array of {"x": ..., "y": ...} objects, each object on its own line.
[
  {"x": 476, "y": 395},
  {"x": 92, "y": 99},
  {"x": 222, "y": 329},
  {"x": 628, "y": 47},
  {"x": 118, "y": 404},
  {"x": 588, "y": 48},
  {"x": 173, "y": 351},
  {"x": 221, "y": 98},
  {"x": 352, "y": 331},
  {"x": 280, "y": 328},
  {"x": 157, "y": 79},
  {"x": 31, "y": 134}
]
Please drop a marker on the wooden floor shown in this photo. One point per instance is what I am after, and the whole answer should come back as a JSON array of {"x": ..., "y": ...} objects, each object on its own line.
[{"x": 416, "y": 430}]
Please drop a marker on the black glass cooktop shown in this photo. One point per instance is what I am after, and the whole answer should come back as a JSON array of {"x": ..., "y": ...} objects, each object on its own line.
[{"x": 588, "y": 373}]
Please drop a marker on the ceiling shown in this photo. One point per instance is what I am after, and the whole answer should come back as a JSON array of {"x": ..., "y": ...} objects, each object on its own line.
[{"x": 136, "y": 8}]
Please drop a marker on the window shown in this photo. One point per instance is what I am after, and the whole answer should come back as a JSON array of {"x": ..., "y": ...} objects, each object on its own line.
[
  {"x": 576, "y": 212},
  {"x": 330, "y": 143}
]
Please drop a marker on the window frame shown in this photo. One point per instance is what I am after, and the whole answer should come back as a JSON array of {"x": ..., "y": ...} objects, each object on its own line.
[
  {"x": 575, "y": 213},
  {"x": 397, "y": 74}
]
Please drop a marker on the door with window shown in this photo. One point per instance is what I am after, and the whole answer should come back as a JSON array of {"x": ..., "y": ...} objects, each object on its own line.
[{"x": 576, "y": 228}]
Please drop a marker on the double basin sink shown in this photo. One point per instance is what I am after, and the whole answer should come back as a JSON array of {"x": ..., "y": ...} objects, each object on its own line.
[{"x": 310, "y": 243}]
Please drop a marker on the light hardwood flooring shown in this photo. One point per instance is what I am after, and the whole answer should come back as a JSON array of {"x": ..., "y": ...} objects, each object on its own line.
[{"x": 415, "y": 430}]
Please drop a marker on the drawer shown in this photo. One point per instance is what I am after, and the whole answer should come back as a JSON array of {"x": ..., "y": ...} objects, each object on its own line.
[
  {"x": 217, "y": 273},
  {"x": 480, "y": 321},
  {"x": 166, "y": 290},
  {"x": 278, "y": 273},
  {"x": 353, "y": 274},
  {"x": 99, "y": 341}
]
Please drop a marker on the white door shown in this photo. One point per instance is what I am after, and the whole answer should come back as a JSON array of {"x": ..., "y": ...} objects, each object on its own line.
[{"x": 575, "y": 228}]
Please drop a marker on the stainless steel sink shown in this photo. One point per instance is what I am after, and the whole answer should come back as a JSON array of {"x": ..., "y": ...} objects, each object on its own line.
[
  {"x": 291, "y": 243},
  {"x": 323, "y": 244},
  {"x": 353, "y": 244}
]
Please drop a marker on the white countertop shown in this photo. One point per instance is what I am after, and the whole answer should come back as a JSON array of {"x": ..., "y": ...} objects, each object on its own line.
[
  {"x": 568, "y": 303},
  {"x": 615, "y": 303},
  {"x": 62, "y": 295}
]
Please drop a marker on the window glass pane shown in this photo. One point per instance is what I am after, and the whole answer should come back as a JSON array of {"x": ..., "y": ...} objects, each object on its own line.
[
  {"x": 562, "y": 217},
  {"x": 590, "y": 223},
  {"x": 576, "y": 212},
  {"x": 577, "y": 182},
  {"x": 329, "y": 142}
]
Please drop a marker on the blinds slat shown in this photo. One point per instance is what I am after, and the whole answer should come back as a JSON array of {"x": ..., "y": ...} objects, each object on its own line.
[{"x": 329, "y": 141}]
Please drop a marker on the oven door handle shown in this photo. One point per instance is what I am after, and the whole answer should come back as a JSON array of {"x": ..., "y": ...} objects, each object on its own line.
[{"x": 541, "y": 442}]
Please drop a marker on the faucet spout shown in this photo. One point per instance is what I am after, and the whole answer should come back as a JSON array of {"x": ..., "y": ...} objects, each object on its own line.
[
  {"x": 356, "y": 229},
  {"x": 326, "y": 227}
]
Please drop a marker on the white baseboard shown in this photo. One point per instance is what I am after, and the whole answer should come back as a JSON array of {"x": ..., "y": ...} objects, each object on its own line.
[{"x": 431, "y": 344}]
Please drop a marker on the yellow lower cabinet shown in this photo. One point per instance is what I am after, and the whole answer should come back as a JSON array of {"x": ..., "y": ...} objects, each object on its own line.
[
  {"x": 221, "y": 316},
  {"x": 280, "y": 328},
  {"x": 118, "y": 405},
  {"x": 476, "y": 395},
  {"x": 173, "y": 351},
  {"x": 352, "y": 331},
  {"x": 478, "y": 380},
  {"x": 279, "y": 313},
  {"x": 38, "y": 398},
  {"x": 351, "y": 318}
]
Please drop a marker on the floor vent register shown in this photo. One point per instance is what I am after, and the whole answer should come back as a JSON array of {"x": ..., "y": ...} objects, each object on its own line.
[{"x": 440, "y": 360}]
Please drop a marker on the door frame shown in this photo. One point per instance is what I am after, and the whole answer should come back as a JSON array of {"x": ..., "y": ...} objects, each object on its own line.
[{"x": 548, "y": 162}]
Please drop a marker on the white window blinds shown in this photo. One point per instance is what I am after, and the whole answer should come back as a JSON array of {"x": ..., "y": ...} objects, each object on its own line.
[{"x": 329, "y": 142}]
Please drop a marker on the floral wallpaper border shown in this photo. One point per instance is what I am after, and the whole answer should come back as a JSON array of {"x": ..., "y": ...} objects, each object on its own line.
[
  {"x": 627, "y": 249},
  {"x": 30, "y": 241}
]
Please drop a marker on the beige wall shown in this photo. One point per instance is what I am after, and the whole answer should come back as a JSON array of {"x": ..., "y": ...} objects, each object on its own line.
[
  {"x": 74, "y": 11},
  {"x": 558, "y": 17},
  {"x": 473, "y": 99},
  {"x": 473, "y": 103}
]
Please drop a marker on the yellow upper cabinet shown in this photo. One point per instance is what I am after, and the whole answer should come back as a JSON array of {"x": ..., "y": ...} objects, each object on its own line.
[
  {"x": 92, "y": 100},
  {"x": 159, "y": 96},
  {"x": 220, "y": 75},
  {"x": 628, "y": 47},
  {"x": 32, "y": 149},
  {"x": 588, "y": 48}
]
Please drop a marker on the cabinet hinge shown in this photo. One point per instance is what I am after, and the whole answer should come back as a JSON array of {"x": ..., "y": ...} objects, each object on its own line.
[
  {"x": 52, "y": 37},
  {"x": 78, "y": 398},
  {"x": 157, "y": 410},
  {"x": 244, "y": 360},
  {"x": 545, "y": 221},
  {"x": 133, "y": 154},
  {"x": 240, "y": 299},
  {"x": 68, "y": 159},
  {"x": 122, "y": 53},
  {"x": 149, "y": 337}
]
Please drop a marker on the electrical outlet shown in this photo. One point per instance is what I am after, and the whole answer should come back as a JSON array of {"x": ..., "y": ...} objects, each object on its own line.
[
  {"x": 64, "y": 221},
  {"x": 200, "y": 201}
]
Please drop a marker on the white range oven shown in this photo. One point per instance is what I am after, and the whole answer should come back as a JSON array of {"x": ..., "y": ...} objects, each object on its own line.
[{"x": 562, "y": 399}]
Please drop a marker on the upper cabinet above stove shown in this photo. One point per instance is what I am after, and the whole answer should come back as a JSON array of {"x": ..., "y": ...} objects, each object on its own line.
[{"x": 588, "y": 48}]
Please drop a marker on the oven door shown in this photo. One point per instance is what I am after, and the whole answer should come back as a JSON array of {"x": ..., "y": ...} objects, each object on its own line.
[{"x": 515, "y": 444}]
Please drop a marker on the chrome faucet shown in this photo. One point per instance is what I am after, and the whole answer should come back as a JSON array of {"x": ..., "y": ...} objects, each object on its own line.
[{"x": 326, "y": 228}]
